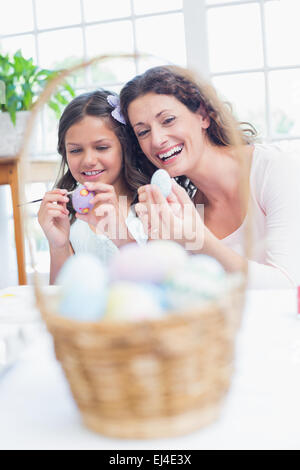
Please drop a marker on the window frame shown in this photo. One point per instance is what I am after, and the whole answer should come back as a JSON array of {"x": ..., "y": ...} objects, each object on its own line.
[{"x": 198, "y": 58}]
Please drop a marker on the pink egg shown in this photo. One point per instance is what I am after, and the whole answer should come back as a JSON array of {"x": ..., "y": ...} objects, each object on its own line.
[
  {"x": 148, "y": 263},
  {"x": 136, "y": 263},
  {"x": 81, "y": 199}
]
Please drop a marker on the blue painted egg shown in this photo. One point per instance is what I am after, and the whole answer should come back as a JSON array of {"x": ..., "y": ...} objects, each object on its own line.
[
  {"x": 83, "y": 282},
  {"x": 162, "y": 179}
]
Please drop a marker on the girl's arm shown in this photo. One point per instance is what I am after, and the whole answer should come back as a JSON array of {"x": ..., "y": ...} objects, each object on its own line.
[
  {"x": 53, "y": 217},
  {"x": 58, "y": 256}
]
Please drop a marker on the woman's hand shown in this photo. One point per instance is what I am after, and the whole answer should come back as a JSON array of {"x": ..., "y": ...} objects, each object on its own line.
[
  {"x": 172, "y": 218},
  {"x": 109, "y": 213},
  {"x": 53, "y": 217}
]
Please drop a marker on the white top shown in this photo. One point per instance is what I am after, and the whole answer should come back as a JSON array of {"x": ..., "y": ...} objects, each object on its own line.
[
  {"x": 275, "y": 207},
  {"x": 84, "y": 240}
]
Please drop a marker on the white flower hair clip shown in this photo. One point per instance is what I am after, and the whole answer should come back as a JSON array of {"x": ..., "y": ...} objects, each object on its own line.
[{"x": 114, "y": 101}]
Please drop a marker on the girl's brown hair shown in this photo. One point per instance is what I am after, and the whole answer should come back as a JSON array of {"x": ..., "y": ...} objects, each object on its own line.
[{"x": 196, "y": 96}]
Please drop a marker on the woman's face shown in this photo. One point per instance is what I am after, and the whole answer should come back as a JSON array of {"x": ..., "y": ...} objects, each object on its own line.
[
  {"x": 94, "y": 152},
  {"x": 169, "y": 134}
]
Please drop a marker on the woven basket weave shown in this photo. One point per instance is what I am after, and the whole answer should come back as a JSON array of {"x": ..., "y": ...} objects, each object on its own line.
[
  {"x": 147, "y": 379},
  {"x": 150, "y": 379}
]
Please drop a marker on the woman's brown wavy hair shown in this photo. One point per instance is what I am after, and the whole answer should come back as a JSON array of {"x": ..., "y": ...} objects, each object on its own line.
[{"x": 197, "y": 97}]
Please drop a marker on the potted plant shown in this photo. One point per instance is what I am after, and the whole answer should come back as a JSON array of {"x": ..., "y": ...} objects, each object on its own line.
[{"x": 20, "y": 84}]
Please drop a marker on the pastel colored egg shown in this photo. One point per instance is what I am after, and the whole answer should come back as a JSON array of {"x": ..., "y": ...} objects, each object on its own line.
[
  {"x": 135, "y": 263},
  {"x": 170, "y": 254},
  {"x": 83, "y": 281},
  {"x": 129, "y": 301},
  {"x": 149, "y": 263},
  {"x": 162, "y": 179},
  {"x": 81, "y": 199},
  {"x": 204, "y": 279},
  {"x": 207, "y": 265}
]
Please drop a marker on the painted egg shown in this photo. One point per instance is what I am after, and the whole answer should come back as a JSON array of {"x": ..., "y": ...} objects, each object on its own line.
[
  {"x": 206, "y": 265},
  {"x": 148, "y": 263},
  {"x": 135, "y": 263},
  {"x": 133, "y": 302},
  {"x": 204, "y": 279},
  {"x": 170, "y": 255},
  {"x": 162, "y": 179},
  {"x": 81, "y": 199},
  {"x": 83, "y": 282}
]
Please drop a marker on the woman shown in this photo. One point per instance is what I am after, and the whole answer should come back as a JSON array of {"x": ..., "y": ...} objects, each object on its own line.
[{"x": 181, "y": 126}]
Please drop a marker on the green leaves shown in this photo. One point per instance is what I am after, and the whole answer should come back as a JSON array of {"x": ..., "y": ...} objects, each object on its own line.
[{"x": 23, "y": 83}]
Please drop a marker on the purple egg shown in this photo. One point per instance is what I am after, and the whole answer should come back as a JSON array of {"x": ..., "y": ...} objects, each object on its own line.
[{"x": 81, "y": 199}]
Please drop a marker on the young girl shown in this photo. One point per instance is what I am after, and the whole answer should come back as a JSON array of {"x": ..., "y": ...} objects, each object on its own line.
[
  {"x": 180, "y": 125},
  {"x": 92, "y": 143}
]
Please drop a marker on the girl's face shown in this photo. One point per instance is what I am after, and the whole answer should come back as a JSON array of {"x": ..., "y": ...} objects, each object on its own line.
[
  {"x": 169, "y": 134},
  {"x": 94, "y": 152}
]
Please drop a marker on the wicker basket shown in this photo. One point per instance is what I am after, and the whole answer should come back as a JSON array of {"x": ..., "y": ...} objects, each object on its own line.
[{"x": 150, "y": 379}]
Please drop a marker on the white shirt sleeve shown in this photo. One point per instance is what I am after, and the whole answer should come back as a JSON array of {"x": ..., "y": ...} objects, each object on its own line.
[{"x": 280, "y": 198}]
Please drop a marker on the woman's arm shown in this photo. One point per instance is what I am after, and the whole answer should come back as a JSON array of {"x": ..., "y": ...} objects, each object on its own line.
[
  {"x": 281, "y": 196},
  {"x": 278, "y": 194},
  {"x": 230, "y": 260}
]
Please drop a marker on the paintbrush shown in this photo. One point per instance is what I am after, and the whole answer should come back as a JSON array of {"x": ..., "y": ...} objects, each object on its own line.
[{"x": 39, "y": 200}]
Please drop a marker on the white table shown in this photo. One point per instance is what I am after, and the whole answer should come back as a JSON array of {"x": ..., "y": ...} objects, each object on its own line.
[{"x": 261, "y": 411}]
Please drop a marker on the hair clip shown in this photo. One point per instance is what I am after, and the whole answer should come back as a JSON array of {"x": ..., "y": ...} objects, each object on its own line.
[{"x": 114, "y": 101}]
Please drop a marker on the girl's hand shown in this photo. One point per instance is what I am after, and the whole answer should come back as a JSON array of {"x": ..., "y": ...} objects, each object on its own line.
[
  {"x": 109, "y": 213},
  {"x": 172, "y": 218},
  {"x": 53, "y": 217}
]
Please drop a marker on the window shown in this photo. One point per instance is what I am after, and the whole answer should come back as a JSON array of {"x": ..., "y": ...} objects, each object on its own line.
[
  {"x": 254, "y": 62},
  {"x": 57, "y": 36},
  {"x": 60, "y": 33}
]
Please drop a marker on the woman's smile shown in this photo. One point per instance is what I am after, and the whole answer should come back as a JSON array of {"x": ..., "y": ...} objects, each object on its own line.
[{"x": 170, "y": 155}]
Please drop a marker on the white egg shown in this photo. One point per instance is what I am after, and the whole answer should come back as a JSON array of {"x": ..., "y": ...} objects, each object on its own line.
[
  {"x": 83, "y": 282},
  {"x": 170, "y": 256},
  {"x": 162, "y": 179},
  {"x": 206, "y": 265}
]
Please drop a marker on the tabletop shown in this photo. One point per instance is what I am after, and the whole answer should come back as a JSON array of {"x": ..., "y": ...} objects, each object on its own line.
[{"x": 261, "y": 410}]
